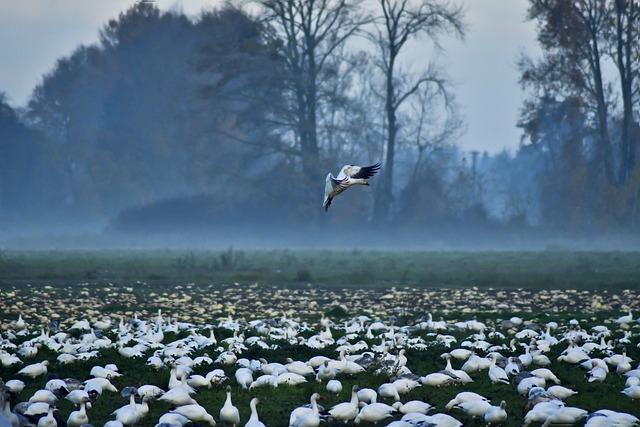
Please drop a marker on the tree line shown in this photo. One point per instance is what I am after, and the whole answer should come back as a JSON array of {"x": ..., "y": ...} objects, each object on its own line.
[{"x": 233, "y": 117}]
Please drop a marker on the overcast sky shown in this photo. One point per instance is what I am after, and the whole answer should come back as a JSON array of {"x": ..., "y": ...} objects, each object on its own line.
[{"x": 34, "y": 33}]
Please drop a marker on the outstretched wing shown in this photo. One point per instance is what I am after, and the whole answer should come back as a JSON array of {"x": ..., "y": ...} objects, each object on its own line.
[
  {"x": 360, "y": 172},
  {"x": 334, "y": 186}
]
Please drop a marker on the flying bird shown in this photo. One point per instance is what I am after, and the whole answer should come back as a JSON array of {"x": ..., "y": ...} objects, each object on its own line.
[{"x": 349, "y": 175}]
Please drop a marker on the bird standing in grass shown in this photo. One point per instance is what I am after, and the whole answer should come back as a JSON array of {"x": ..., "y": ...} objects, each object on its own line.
[
  {"x": 349, "y": 175},
  {"x": 229, "y": 413}
]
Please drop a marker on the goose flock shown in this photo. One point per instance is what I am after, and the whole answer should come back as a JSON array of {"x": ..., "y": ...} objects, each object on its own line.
[{"x": 399, "y": 367}]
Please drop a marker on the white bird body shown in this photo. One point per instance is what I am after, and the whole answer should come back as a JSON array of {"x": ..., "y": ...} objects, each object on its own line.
[
  {"x": 561, "y": 392},
  {"x": 346, "y": 411},
  {"x": 229, "y": 414},
  {"x": 79, "y": 417},
  {"x": 254, "y": 419},
  {"x": 48, "y": 420},
  {"x": 304, "y": 416},
  {"x": 349, "y": 175},
  {"x": 437, "y": 379},
  {"x": 415, "y": 406},
  {"x": 389, "y": 391},
  {"x": 633, "y": 392},
  {"x": 35, "y": 369},
  {"x": 474, "y": 408},
  {"x": 244, "y": 377},
  {"x": 464, "y": 396},
  {"x": 195, "y": 413},
  {"x": 374, "y": 412},
  {"x": 497, "y": 374},
  {"x": 567, "y": 415},
  {"x": 43, "y": 396},
  {"x": 334, "y": 386},
  {"x": 546, "y": 374},
  {"x": 496, "y": 414}
]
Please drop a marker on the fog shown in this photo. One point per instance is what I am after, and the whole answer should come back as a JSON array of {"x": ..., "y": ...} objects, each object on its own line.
[{"x": 182, "y": 132}]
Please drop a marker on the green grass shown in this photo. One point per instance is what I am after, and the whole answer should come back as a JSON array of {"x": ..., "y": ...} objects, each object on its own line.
[
  {"x": 489, "y": 269},
  {"x": 245, "y": 283}
]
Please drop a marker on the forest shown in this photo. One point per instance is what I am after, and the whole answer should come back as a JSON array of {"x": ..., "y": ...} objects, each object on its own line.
[{"x": 221, "y": 129}]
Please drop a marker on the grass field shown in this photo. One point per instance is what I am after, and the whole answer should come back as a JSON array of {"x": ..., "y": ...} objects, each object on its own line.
[
  {"x": 205, "y": 289},
  {"x": 490, "y": 269}
]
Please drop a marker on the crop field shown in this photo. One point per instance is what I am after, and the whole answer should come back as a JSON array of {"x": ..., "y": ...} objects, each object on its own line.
[{"x": 391, "y": 317}]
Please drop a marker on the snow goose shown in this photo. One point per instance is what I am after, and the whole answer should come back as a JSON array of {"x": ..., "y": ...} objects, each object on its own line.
[
  {"x": 405, "y": 385},
  {"x": 496, "y": 414},
  {"x": 43, "y": 396},
  {"x": 624, "y": 320},
  {"x": 464, "y": 396},
  {"x": 415, "y": 406},
  {"x": 596, "y": 374},
  {"x": 349, "y": 175},
  {"x": 346, "y": 411},
  {"x": 16, "y": 386},
  {"x": 443, "y": 420},
  {"x": 561, "y": 392},
  {"x": 473, "y": 408},
  {"x": 305, "y": 416},
  {"x": 389, "y": 391},
  {"x": 624, "y": 364},
  {"x": 298, "y": 367},
  {"x": 567, "y": 415},
  {"x": 545, "y": 374},
  {"x": 540, "y": 412},
  {"x": 367, "y": 395},
  {"x": 462, "y": 376},
  {"x": 195, "y": 413},
  {"x": 632, "y": 392},
  {"x": 79, "y": 417},
  {"x": 48, "y": 420},
  {"x": 78, "y": 396},
  {"x": 198, "y": 381},
  {"x": 617, "y": 419},
  {"x": 334, "y": 387},
  {"x": 438, "y": 379},
  {"x": 35, "y": 369},
  {"x": 496, "y": 373},
  {"x": 326, "y": 372},
  {"x": 128, "y": 414},
  {"x": 254, "y": 419},
  {"x": 99, "y": 385},
  {"x": 244, "y": 377},
  {"x": 172, "y": 419},
  {"x": 177, "y": 396},
  {"x": 229, "y": 414},
  {"x": 290, "y": 378},
  {"x": 374, "y": 413}
]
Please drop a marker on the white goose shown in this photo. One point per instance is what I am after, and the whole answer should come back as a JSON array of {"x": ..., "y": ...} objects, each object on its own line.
[
  {"x": 35, "y": 369},
  {"x": 464, "y": 396},
  {"x": 496, "y": 373},
  {"x": 496, "y": 414},
  {"x": 349, "y": 175},
  {"x": 79, "y": 417},
  {"x": 346, "y": 411},
  {"x": 48, "y": 420},
  {"x": 374, "y": 412},
  {"x": 304, "y": 416},
  {"x": 254, "y": 419},
  {"x": 195, "y": 413},
  {"x": 229, "y": 414}
]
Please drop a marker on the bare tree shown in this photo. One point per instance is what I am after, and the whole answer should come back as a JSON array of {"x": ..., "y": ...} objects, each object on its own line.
[
  {"x": 310, "y": 33},
  {"x": 400, "y": 22},
  {"x": 625, "y": 54}
]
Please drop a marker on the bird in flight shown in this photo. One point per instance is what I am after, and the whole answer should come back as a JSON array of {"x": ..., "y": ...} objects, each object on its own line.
[{"x": 349, "y": 175}]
